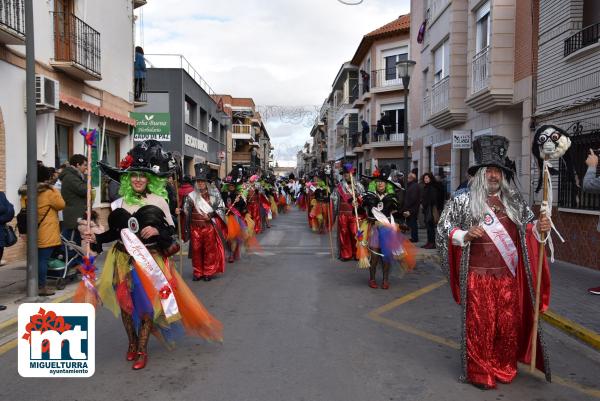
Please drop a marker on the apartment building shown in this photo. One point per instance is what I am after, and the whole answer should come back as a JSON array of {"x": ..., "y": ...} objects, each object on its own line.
[
  {"x": 568, "y": 95},
  {"x": 474, "y": 76},
  {"x": 84, "y": 67},
  {"x": 377, "y": 94},
  {"x": 250, "y": 143},
  {"x": 176, "y": 92}
]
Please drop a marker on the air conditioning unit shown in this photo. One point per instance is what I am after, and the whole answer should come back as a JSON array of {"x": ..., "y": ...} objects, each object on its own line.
[{"x": 46, "y": 93}]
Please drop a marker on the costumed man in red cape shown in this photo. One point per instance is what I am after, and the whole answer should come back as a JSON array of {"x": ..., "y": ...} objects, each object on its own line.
[
  {"x": 205, "y": 226},
  {"x": 490, "y": 254},
  {"x": 344, "y": 198}
]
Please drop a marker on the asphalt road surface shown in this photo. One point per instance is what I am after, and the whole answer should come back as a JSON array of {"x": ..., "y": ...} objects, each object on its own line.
[{"x": 300, "y": 326}]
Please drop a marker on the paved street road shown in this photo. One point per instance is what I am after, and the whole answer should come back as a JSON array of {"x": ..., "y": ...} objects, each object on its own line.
[{"x": 299, "y": 326}]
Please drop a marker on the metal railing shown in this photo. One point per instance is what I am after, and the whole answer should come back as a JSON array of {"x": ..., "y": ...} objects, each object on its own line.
[
  {"x": 178, "y": 61},
  {"x": 586, "y": 37},
  {"x": 480, "y": 70},
  {"x": 384, "y": 78},
  {"x": 12, "y": 15},
  {"x": 76, "y": 41},
  {"x": 439, "y": 95},
  {"x": 571, "y": 195},
  {"x": 426, "y": 110},
  {"x": 241, "y": 129},
  {"x": 381, "y": 134}
]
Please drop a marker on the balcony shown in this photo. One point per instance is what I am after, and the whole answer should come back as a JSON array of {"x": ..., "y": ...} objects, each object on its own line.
[
  {"x": 486, "y": 97},
  {"x": 442, "y": 115},
  {"x": 12, "y": 22},
  {"x": 76, "y": 48},
  {"x": 242, "y": 131},
  {"x": 388, "y": 136},
  {"x": 385, "y": 80},
  {"x": 588, "y": 36},
  {"x": 480, "y": 70}
]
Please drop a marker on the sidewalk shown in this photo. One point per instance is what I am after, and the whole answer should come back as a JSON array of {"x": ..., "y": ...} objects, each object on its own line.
[{"x": 572, "y": 308}]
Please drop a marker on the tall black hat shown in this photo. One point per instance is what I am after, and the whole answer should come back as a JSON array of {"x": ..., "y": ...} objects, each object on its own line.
[
  {"x": 147, "y": 156},
  {"x": 491, "y": 151},
  {"x": 202, "y": 172}
]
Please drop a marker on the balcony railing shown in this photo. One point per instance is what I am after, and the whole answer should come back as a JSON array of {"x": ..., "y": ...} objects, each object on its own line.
[
  {"x": 178, "y": 61},
  {"x": 385, "y": 78},
  {"x": 242, "y": 128},
  {"x": 480, "y": 70},
  {"x": 439, "y": 95},
  {"x": 586, "y": 37},
  {"x": 12, "y": 17},
  {"x": 426, "y": 110},
  {"x": 76, "y": 42},
  {"x": 381, "y": 135}
]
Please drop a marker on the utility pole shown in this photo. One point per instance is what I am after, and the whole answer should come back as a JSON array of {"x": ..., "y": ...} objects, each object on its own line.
[{"x": 32, "y": 198}]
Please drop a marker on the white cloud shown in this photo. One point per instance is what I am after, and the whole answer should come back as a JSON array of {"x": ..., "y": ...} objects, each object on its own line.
[{"x": 282, "y": 52}]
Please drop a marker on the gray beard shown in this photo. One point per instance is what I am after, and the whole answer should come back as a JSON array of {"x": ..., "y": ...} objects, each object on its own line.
[{"x": 480, "y": 191}]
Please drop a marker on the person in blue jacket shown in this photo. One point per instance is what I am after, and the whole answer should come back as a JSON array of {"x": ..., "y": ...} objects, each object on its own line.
[{"x": 139, "y": 72}]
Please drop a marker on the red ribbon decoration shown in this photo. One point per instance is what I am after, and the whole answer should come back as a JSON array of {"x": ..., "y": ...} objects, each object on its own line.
[{"x": 45, "y": 321}]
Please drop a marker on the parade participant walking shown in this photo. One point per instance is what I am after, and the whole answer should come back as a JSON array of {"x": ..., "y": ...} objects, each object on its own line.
[
  {"x": 384, "y": 240},
  {"x": 488, "y": 246},
  {"x": 320, "y": 214},
  {"x": 257, "y": 202},
  {"x": 205, "y": 217},
  {"x": 139, "y": 281},
  {"x": 345, "y": 198},
  {"x": 235, "y": 207}
]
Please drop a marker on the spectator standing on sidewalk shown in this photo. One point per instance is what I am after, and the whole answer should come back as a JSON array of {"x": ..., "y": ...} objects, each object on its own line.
[
  {"x": 432, "y": 197},
  {"x": 7, "y": 212},
  {"x": 50, "y": 202},
  {"x": 591, "y": 183},
  {"x": 74, "y": 192},
  {"x": 412, "y": 202}
]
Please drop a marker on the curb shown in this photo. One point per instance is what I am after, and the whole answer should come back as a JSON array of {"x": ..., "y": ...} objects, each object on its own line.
[
  {"x": 584, "y": 334},
  {"x": 8, "y": 328}
]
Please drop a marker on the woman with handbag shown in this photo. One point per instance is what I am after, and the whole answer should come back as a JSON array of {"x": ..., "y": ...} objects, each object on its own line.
[
  {"x": 431, "y": 211},
  {"x": 49, "y": 203},
  {"x": 7, "y": 236}
]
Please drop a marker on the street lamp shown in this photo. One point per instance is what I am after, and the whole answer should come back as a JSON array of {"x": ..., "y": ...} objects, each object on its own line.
[{"x": 405, "y": 69}]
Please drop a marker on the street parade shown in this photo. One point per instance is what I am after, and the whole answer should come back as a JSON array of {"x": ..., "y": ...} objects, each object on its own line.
[{"x": 316, "y": 200}]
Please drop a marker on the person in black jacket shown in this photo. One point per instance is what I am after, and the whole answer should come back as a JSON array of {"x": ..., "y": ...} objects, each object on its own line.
[
  {"x": 412, "y": 203},
  {"x": 7, "y": 212},
  {"x": 432, "y": 201}
]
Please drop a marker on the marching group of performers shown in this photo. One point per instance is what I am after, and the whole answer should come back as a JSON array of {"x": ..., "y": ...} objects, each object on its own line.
[{"x": 487, "y": 236}]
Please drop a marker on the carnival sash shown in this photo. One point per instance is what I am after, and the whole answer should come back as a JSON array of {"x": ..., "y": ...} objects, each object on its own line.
[
  {"x": 501, "y": 240},
  {"x": 146, "y": 262},
  {"x": 201, "y": 205}
]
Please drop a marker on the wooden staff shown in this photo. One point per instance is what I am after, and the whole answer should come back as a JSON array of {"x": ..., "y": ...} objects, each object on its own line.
[
  {"x": 180, "y": 207},
  {"x": 330, "y": 227},
  {"x": 354, "y": 200},
  {"x": 89, "y": 194},
  {"x": 542, "y": 255}
]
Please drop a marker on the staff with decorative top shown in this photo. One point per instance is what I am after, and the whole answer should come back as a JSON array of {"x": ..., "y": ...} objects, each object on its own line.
[
  {"x": 488, "y": 249},
  {"x": 139, "y": 280}
]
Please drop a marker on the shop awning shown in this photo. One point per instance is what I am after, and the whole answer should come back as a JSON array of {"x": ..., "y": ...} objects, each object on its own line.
[{"x": 96, "y": 110}]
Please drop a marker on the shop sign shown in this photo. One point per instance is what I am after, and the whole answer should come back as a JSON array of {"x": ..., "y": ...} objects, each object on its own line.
[
  {"x": 461, "y": 139},
  {"x": 155, "y": 126}
]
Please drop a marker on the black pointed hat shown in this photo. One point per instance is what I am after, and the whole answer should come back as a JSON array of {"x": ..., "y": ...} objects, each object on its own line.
[
  {"x": 381, "y": 174},
  {"x": 492, "y": 151},
  {"x": 147, "y": 156}
]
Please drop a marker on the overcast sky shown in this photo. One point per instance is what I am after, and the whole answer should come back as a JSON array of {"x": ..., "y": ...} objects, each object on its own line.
[{"x": 279, "y": 52}]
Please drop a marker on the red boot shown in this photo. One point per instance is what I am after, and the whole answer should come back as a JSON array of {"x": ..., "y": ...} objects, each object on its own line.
[
  {"x": 385, "y": 285},
  {"x": 373, "y": 284},
  {"x": 131, "y": 354},
  {"x": 141, "y": 361}
]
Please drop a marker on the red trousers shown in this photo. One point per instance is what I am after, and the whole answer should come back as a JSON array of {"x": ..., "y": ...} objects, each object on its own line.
[
  {"x": 493, "y": 324},
  {"x": 347, "y": 235},
  {"x": 206, "y": 248},
  {"x": 254, "y": 210}
]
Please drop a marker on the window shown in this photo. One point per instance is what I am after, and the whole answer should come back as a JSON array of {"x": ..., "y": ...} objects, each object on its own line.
[
  {"x": 441, "y": 61},
  {"x": 190, "y": 112},
  {"x": 483, "y": 27},
  {"x": 394, "y": 114},
  {"x": 390, "y": 58},
  {"x": 591, "y": 12},
  {"x": 203, "y": 120},
  {"x": 62, "y": 142}
]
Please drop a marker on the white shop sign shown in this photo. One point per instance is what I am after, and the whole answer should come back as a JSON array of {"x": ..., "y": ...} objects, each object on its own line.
[
  {"x": 461, "y": 139},
  {"x": 196, "y": 143}
]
